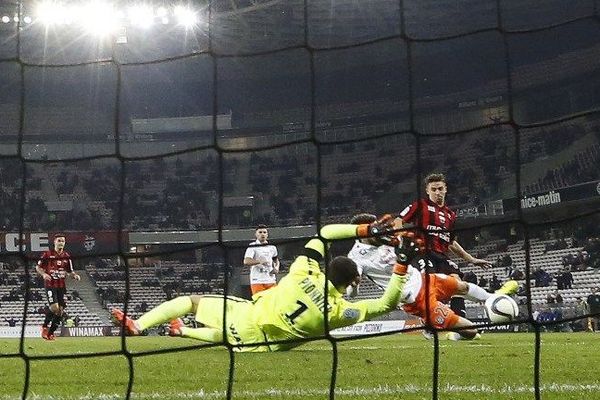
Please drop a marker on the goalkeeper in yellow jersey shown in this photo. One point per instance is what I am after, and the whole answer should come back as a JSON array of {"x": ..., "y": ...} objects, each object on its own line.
[{"x": 292, "y": 310}]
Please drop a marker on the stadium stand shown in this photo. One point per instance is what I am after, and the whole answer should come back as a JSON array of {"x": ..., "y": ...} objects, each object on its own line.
[
  {"x": 12, "y": 301},
  {"x": 151, "y": 285}
]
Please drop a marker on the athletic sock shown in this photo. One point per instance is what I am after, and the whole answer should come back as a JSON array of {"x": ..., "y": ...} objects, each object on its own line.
[
  {"x": 49, "y": 315},
  {"x": 457, "y": 304},
  {"x": 477, "y": 293},
  {"x": 55, "y": 322}
]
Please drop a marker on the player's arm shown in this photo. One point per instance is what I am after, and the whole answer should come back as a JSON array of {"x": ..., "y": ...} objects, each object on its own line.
[
  {"x": 458, "y": 250},
  {"x": 39, "y": 268},
  {"x": 276, "y": 264},
  {"x": 71, "y": 271},
  {"x": 349, "y": 313},
  {"x": 249, "y": 260},
  {"x": 314, "y": 250}
]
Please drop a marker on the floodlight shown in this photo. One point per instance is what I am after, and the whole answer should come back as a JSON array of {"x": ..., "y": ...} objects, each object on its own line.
[
  {"x": 49, "y": 12},
  {"x": 98, "y": 17},
  {"x": 141, "y": 15},
  {"x": 185, "y": 16}
]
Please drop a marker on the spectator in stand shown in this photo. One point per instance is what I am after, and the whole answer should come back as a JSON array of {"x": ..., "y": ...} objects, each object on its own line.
[
  {"x": 483, "y": 282},
  {"x": 517, "y": 274},
  {"x": 582, "y": 260},
  {"x": 568, "y": 260},
  {"x": 560, "y": 244},
  {"x": 541, "y": 277},
  {"x": 495, "y": 283},
  {"x": 584, "y": 324},
  {"x": 556, "y": 317},
  {"x": 592, "y": 247},
  {"x": 508, "y": 271},
  {"x": 12, "y": 322},
  {"x": 550, "y": 298},
  {"x": 567, "y": 278},
  {"x": 559, "y": 280},
  {"x": 558, "y": 297},
  {"x": 470, "y": 277},
  {"x": 593, "y": 301}
]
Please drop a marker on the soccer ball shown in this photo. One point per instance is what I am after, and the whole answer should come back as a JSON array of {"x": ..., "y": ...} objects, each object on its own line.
[{"x": 501, "y": 308}]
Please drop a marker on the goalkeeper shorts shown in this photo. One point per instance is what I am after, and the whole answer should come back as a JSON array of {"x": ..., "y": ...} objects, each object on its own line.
[{"x": 241, "y": 326}]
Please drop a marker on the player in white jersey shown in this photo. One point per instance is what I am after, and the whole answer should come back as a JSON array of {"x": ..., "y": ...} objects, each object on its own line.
[
  {"x": 375, "y": 260},
  {"x": 263, "y": 261}
]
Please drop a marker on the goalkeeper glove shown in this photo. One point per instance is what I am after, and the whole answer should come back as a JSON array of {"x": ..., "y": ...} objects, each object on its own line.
[
  {"x": 410, "y": 247},
  {"x": 382, "y": 230}
]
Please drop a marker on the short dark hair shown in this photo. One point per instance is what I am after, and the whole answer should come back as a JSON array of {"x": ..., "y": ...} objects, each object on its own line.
[
  {"x": 261, "y": 226},
  {"x": 363, "y": 218},
  {"x": 58, "y": 235},
  {"x": 342, "y": 271},
  {"x": 434, "y": 177}
]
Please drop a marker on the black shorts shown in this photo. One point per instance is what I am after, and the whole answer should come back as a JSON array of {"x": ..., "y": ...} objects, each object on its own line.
[
  {"x": 56, "y": 295},
  {"x": 435, "y": 263}
]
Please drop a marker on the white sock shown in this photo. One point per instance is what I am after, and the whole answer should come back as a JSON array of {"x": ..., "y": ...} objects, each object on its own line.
[{"x": 477, "y": 293}]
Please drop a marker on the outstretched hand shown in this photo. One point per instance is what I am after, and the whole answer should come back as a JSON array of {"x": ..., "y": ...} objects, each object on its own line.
[
  {"x": 410, "y": 247},
  {"x": 383, "y": 230},
  {"x": 485, "y": 264}
]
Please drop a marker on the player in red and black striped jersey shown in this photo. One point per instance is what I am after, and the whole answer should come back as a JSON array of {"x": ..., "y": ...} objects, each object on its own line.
[
  {"x": 54, "y": 265},
  {"x": 437, "y": 220}
]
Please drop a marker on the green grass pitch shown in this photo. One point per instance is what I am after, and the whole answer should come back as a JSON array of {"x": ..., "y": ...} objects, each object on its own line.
[{"x": 499, "y": 366}]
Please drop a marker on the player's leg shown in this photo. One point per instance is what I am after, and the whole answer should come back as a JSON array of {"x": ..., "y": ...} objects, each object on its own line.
[
  {"x": 242, "y": 330},
  {"x": 160, "y": 314},
  {"x": 457, "y": 303},
  {"x": 52, "y": 304},
  {"x": 56, "y": 320},
  {"x": 208, "y": 312},
  {"x": 471, "y": 291},
  {"x": 58, "y": 309},
  {"x": 461, "y": 330},
  {"x": 205, "y": 333}
]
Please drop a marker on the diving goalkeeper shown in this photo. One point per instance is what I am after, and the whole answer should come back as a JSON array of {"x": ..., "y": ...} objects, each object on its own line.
[{"x": 295, "y": 308}]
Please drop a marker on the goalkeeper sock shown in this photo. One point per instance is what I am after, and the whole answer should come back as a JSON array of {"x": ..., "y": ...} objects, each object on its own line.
[
  {"x": 165, "y": 312},
  {"x": 55, "y": 322},
  {"x": 49, "y": 315},
  {"x": 476, "y": 293},
  {"x": 211, "y": 335}
]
